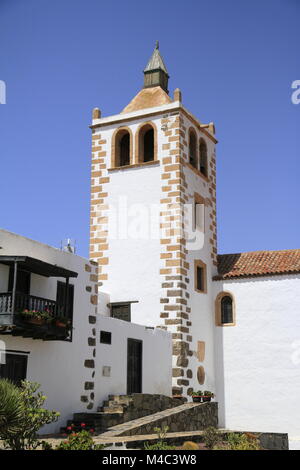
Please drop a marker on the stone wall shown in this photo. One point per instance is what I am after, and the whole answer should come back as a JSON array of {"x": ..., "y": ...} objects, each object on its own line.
[
  {"x": 188, "y": 417},
  {"x": 144, "y": 404}
]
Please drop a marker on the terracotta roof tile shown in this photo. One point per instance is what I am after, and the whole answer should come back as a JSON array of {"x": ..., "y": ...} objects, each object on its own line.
[
  {"x": 258, "y": 263},
  {"x": 148, "y": 98}
]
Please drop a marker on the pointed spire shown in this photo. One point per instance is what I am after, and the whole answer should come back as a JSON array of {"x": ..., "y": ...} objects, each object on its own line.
[{"x": 155, "y": 72}]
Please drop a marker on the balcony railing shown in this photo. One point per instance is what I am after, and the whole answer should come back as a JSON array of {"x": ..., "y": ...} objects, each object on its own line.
[{"x": 14, "y": 322}]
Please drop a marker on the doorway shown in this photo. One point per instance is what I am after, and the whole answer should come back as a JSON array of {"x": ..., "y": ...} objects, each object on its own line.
[
  {"x": 134, "y": 366},
  {"x": 15, "y": 368}
]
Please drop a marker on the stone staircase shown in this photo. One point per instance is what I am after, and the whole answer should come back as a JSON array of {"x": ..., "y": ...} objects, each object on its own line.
[
  {"x": 187, "y": 417},
  {"x": 116, "y": 404},
  {"x": 119, "y": 409}
]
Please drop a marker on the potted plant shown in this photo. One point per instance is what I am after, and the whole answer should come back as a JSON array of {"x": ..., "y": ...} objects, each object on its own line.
[
  {"x": 62, "y": 322},
  {"x": 36, "y": 317},
  {"x": 197, "y": 396},
  {"x": 207, "y": 395}
]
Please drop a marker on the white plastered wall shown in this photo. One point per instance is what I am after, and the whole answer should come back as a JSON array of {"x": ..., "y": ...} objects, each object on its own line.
[
  {"x": 134, "y": 264},
  {"x": 258, "y": 360},
  {"x": 57, "y": 365},
  {"x": 156, "y": 354},
  {"x": 201, "y": 304}
]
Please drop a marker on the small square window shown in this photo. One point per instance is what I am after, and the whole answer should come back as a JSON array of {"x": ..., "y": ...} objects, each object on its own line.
[{"x": 105, "y": 337}]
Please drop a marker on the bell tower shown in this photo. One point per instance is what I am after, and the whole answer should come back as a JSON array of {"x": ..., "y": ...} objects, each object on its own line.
[{"x": 153, "y": 169}]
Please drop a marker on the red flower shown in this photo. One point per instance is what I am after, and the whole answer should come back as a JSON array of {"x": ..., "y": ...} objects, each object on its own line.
[
  {"x": 92, "y": 430},
  {"x": 82, "y": 425},
  {"x": 69, "y": 428}
]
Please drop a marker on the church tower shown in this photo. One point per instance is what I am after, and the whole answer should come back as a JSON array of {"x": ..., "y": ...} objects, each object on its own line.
[{"x": 153, "y": 221}]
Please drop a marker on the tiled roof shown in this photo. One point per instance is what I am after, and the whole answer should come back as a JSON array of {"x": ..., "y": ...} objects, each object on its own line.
[
  {"x": 258, "y": 263},
  {"x": 148, "y": 98}
]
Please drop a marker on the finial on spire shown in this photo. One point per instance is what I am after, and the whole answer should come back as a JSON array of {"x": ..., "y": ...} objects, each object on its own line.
[{"x": 155, "y": 73}]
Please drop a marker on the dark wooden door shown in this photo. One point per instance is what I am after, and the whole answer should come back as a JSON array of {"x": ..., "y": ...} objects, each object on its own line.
[
  {"x": 61, "y": 298},
  {"x": 134, "y": 366},
  {"x": 15, "y": 368}
]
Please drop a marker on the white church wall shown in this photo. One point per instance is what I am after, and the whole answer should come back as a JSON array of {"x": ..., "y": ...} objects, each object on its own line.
[
  {"x": 258, "y": 360},
  {"x": 156, "y": 358}
]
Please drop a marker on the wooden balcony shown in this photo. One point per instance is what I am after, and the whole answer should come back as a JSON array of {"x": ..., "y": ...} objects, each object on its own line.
[
  {"x": 42, "y": 320},
  {"x": 13, "y": 322}
]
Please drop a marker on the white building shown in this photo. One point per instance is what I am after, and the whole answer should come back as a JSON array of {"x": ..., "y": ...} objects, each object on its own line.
[
  {"x": 234, "y": 319},
  {"x": 78, "y": 365}
]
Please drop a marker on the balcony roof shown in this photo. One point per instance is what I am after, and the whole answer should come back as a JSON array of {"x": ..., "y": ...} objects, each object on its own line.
[{"x": 37, "y": 266}]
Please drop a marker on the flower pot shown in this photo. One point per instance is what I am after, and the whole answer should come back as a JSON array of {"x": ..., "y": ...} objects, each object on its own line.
[
  {"x": 206, "y": 398},
  {"x": 36, "y": 321},
  {"x": 60, "y": 324},
  {"x": 197, "y": 398}
]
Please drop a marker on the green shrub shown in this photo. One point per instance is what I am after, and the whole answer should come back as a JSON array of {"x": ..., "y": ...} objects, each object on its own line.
[
  {"x": 161, "y": 432},
  {"x": 160, "y": 445},
  {"x": 31, "y": 415},
  {"x": 79, "y": 441},
  {"x": 11, "y": 409},
  {"x": 211, "y": 437},
  {"x": 243, "y": 441}
]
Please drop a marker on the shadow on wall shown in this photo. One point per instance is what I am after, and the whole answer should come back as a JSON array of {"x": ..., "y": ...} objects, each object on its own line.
[{"x": 219, "y": 367}]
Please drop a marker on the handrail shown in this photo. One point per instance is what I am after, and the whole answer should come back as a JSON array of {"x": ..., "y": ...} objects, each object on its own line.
[{"x": 29, "y": 302}]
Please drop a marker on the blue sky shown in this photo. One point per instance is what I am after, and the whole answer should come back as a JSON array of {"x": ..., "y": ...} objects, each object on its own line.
[{"x": 234, "y": 62}]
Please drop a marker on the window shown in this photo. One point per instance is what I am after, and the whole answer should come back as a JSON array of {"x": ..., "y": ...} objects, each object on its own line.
[
  {"x": 192, "y": 148},
  {"x": 145, "y": 143},
  {"x": 203, "y": 157},
  {"x": 124, "y": 158},
  {"x": 149, "y": 145},
  {"x": 199, "y": 212},
  {"x": 121, "y": 148},
  {"x": 105, "y": 337},
  {"x": 121, "y": 310},
  {"x": 15, "y": 368},
  {"x": 200, "y": 276},
  {"x": 225, "y": 309},
  {"x": 23, "y": 281}
]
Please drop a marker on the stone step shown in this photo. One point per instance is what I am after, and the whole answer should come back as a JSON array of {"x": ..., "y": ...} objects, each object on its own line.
[
  {"x": 124, "y": 399},
  {"x": 112, "y": 409}
]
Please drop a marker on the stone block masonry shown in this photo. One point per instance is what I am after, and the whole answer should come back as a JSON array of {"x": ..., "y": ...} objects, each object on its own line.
[{"x": 186, "y": 417}]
